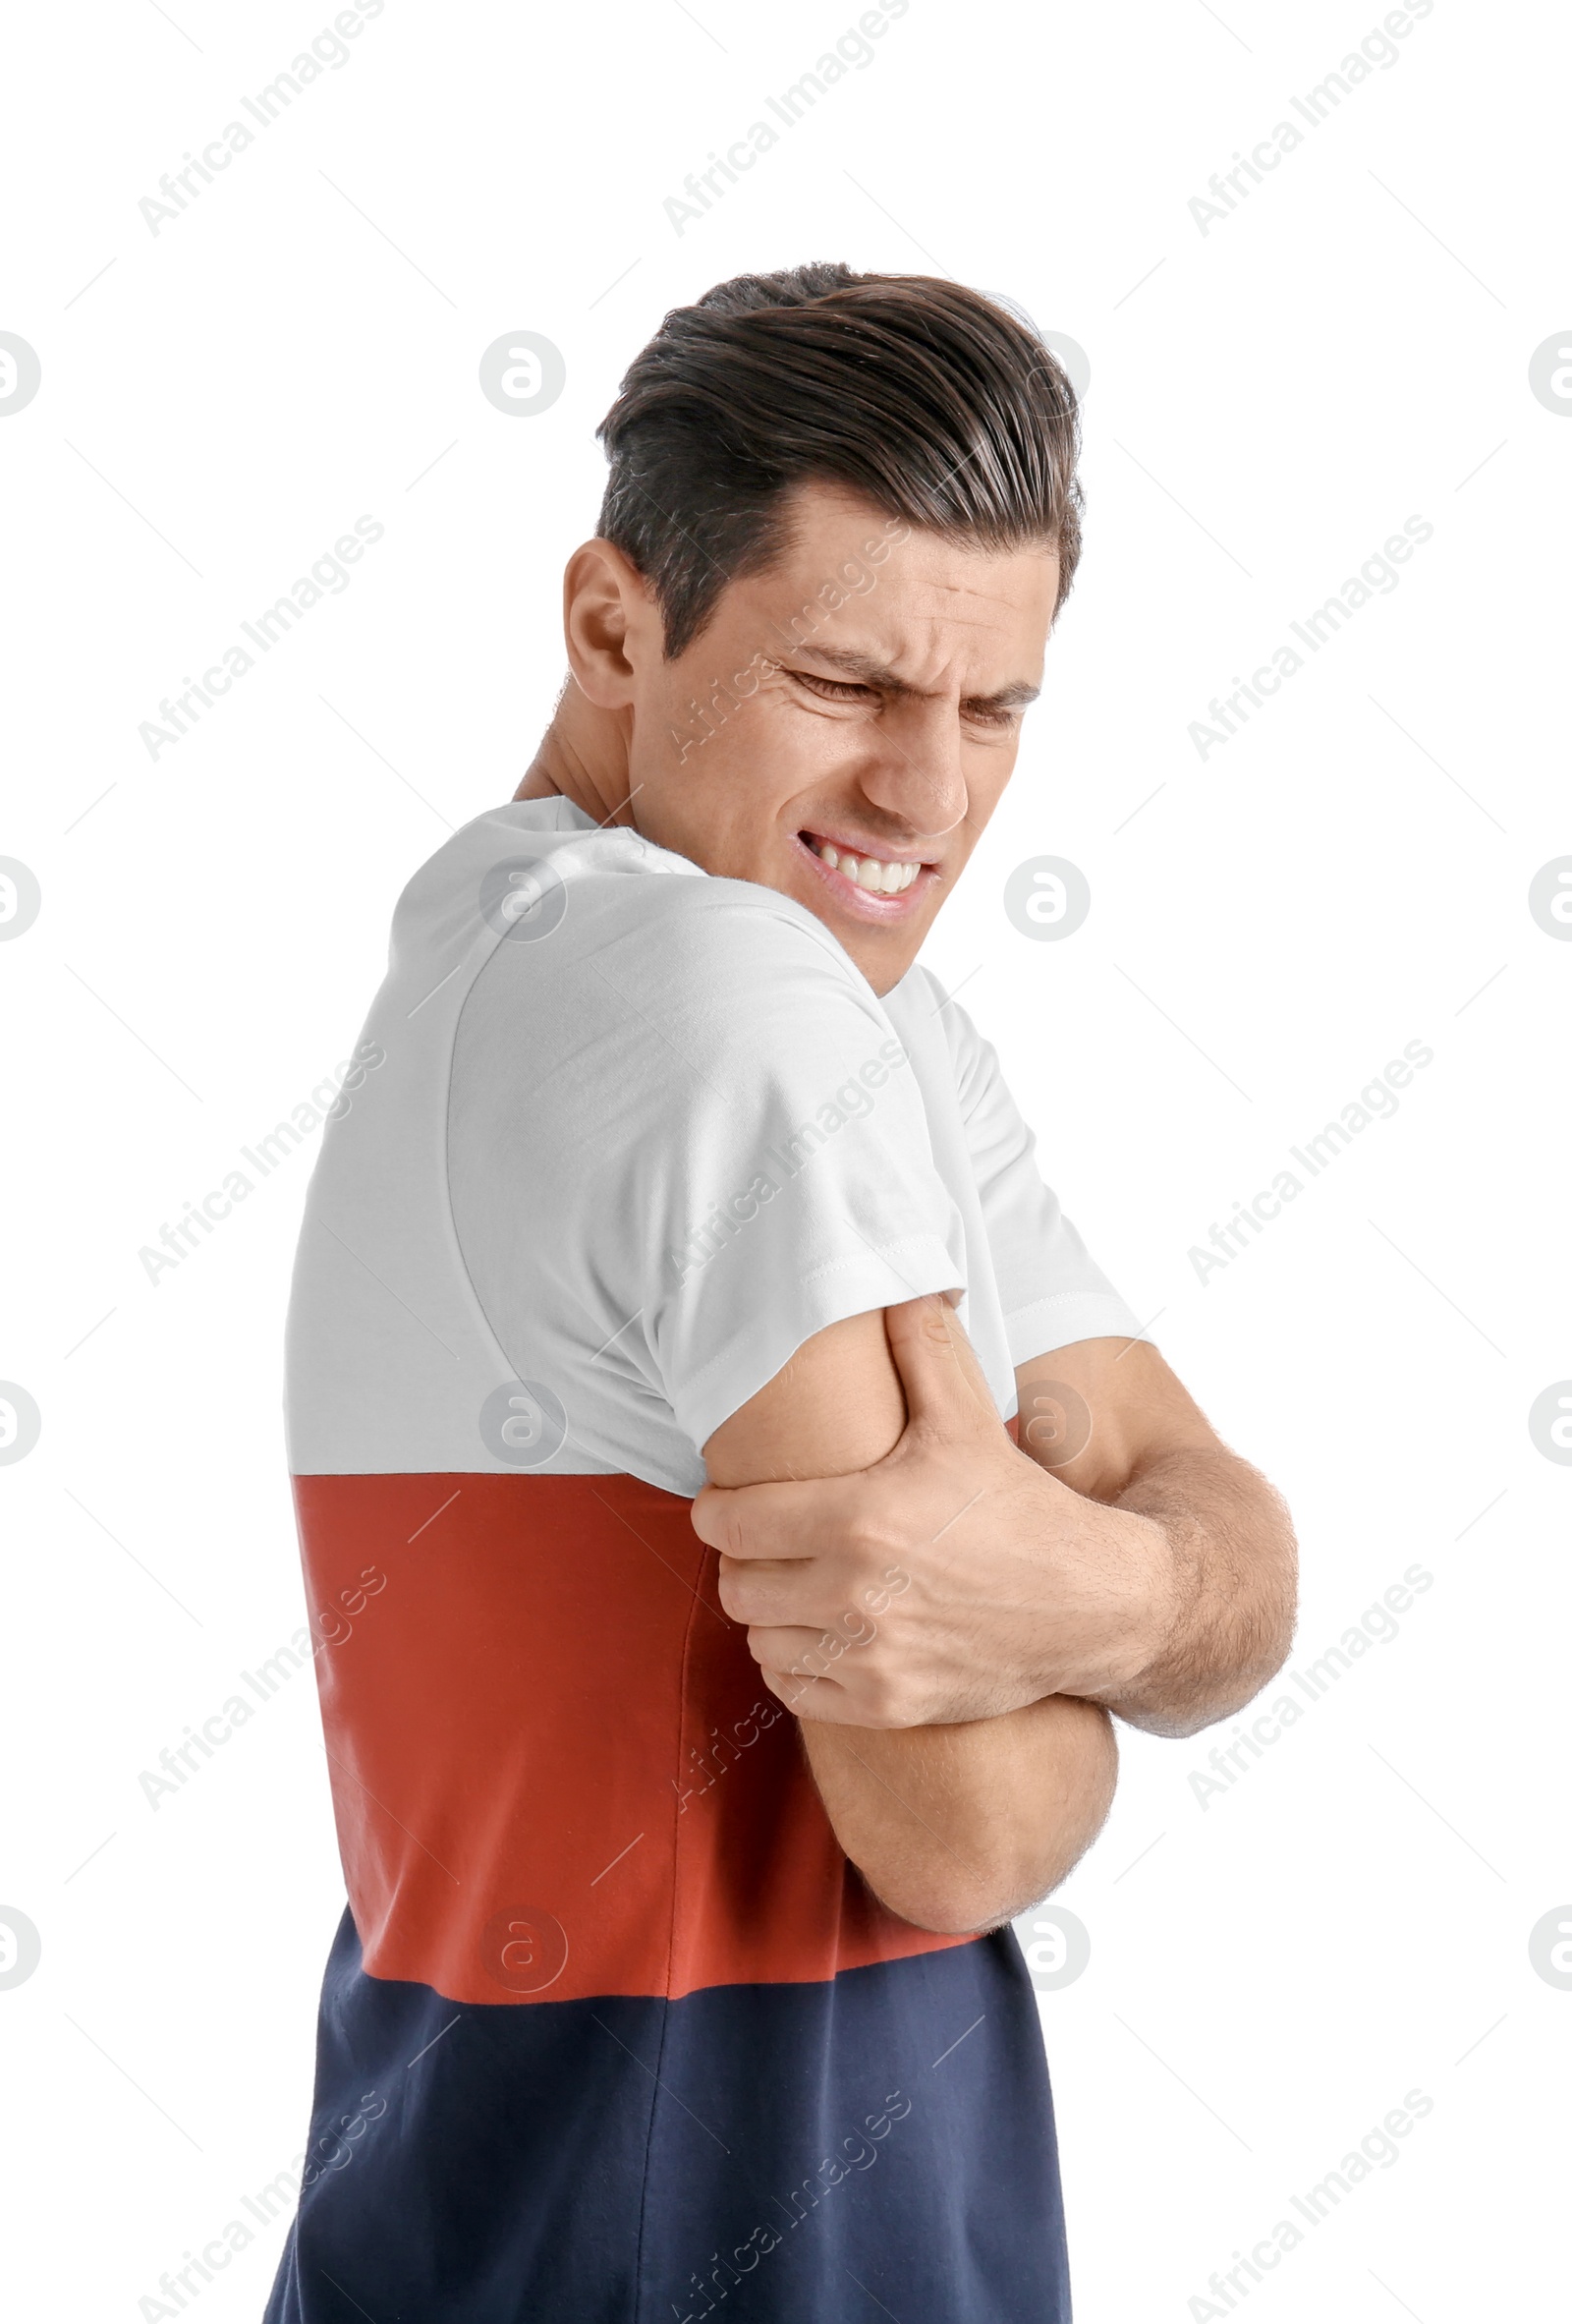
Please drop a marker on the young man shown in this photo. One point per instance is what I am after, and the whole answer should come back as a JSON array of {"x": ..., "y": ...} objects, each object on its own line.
[{"x": 682, "y": 1834}]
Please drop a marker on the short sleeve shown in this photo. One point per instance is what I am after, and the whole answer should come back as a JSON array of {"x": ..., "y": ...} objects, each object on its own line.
[
  {"x": 786, "y": 1174},
  {"x": 684, "y": 1138},
  {"x": 1051, "y": 1290}
]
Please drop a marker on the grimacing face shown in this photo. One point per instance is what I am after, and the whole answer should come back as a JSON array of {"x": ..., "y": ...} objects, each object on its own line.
[{"x": 847, "y": 754}]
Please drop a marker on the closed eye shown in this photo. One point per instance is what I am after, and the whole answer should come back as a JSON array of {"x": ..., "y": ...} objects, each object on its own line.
[
  {"x": 976, "y": 713},
  {"x": 834, "y": 689}
]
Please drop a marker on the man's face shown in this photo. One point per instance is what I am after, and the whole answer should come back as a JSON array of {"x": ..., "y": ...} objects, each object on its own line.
[{"x": 843, "y": 727}]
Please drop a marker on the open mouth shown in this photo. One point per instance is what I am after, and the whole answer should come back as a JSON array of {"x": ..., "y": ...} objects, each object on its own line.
[{"x": 869, "y": 875}]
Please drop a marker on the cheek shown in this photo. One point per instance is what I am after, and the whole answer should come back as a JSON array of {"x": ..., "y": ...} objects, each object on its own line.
[
  {"x": 765, "y": 767},
  {"x": 719, "y": 787},
  {"x": 988, "y": 769}
]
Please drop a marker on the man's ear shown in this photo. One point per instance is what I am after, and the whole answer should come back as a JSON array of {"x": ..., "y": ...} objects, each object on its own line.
[{"x": 611, "y": 624}]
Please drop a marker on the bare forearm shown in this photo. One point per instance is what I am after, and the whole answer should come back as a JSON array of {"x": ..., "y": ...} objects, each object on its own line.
[
  {"x": 959, "y": 1828},
  {"x": 1233, "y": 1564}
]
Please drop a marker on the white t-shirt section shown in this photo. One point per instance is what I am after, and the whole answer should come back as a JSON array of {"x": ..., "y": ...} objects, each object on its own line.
[{"x": 640, "y": 1134}]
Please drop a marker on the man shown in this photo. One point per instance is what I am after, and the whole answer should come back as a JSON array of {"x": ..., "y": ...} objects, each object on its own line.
[{"x": 681, "y": 1834}]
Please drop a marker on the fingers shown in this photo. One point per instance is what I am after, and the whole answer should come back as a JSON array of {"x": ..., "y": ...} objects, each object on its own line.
[
  {"x": 821, "y": 1700},
  {"x": 772, "y": 1520},
  {"x": 945, "y": 1387},
  {"x": 808, "y": 1652},
  {"x": 798, "y": 1593},
  {"x": 812, "y": 1674}
]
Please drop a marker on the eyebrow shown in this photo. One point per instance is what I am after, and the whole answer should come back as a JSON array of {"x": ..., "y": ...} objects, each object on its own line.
[{"x": 863, "y": 669}]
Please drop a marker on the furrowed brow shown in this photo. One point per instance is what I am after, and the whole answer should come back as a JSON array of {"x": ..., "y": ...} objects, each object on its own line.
[
  {"x": 1008, "y": 698},
  {"x": 860, "y": 668},
  {"x": 863, "y": 669}
]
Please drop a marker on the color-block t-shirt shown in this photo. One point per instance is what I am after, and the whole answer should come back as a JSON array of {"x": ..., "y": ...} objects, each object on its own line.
[{"x": 612, "y": 2031}]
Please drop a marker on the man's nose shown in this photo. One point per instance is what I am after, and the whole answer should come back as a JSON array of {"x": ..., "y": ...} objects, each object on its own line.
[{"x": 914, "y": 770}]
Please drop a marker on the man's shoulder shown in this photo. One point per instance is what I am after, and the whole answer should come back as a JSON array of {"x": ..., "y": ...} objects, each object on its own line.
[
  {"x": 560, "y": 891},
  {"x": 580, "y": 910},
  {"x": 510, "y": 871},
  {"x": 928, "y": 1018},
  {"x": 723, "y": 938}
]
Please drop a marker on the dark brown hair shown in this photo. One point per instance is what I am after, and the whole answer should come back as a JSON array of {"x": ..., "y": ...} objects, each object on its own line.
[{"x": 935, "y": 403}]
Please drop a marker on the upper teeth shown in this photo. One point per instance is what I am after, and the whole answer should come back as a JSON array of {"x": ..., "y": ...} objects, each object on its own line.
[{"x": 890, "y": 879}]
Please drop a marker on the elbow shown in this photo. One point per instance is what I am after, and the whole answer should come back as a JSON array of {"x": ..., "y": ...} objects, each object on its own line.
[
  {"x": 974, "y": 1904},
  {"x": 1244, "y": 1655},
  {"x": 956, "y": 1910},
  {"x": 1022, "y": 1858},
  {"x": 1223, "y": 1691},
  {"x": 1222, "y": 1695}
]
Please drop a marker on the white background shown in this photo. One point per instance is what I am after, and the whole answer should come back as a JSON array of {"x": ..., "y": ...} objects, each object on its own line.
[{"x": 1269, "y": 401}]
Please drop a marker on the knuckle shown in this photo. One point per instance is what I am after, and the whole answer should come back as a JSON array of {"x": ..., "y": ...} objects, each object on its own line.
[
  {"x": 737, "y": 1600},
  {"x": 869, "y": 1533},
  {"x": 885, "y": 1698}
]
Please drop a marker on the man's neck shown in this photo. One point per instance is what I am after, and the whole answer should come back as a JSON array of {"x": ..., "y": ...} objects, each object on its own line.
[{"x": 583, "y": 757}]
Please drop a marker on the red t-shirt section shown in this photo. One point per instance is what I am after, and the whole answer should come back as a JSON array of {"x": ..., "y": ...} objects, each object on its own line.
[{"x": 532, "y": 1804}]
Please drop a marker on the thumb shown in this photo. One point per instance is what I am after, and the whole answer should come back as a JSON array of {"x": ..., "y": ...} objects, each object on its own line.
[{"x": 946, "y": 1393}]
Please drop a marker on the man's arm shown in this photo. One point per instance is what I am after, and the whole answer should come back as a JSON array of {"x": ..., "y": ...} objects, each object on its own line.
[
  {"x": 1110, "y": 1420},
  {"x": 1168, "y": 1600},
  {"x": 956, "y": 1827}
]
